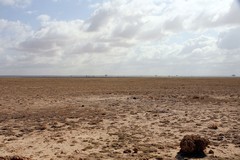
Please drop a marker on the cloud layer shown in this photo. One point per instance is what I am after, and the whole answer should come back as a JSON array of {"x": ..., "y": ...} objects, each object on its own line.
[{"x": 123, "y": 37}]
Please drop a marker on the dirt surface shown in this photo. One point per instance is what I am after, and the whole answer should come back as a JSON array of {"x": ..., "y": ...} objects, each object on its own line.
[{"x": 117, "y": 118}]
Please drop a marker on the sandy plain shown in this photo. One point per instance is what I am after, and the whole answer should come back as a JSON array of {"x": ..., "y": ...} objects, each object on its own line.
[{"x": 117, "y": 118}]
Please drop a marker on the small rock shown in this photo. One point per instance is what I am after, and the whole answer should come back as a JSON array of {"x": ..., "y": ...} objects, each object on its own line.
[
  {"x": 127, "y": 151},
  {"x": 14, "y": 158},
  {"x": 135, "y": 150},
  {"x": 195, "y": 97},
  {"x": 213, "y": 126},
  {"x": 41, "y": 127},
  {"x": 211, "y": 151}
]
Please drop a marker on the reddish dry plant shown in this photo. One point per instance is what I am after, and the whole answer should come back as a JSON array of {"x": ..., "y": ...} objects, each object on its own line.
[{"x": 193, "y": 144}]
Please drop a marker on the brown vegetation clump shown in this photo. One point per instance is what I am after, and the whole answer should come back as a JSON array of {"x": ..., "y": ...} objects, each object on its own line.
[{"x": 193, "y": 144}]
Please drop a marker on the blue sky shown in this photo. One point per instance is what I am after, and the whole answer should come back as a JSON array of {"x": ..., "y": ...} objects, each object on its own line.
[
  {"x": 60, "y": 10},
  {"x": 120, "y": 37}
]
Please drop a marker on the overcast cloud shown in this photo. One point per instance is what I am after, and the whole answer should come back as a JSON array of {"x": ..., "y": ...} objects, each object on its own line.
[{"x": 120, "y": 37}]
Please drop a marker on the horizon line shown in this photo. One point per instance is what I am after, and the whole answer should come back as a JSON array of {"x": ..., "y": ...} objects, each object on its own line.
[{"x": 117, "y": 76}]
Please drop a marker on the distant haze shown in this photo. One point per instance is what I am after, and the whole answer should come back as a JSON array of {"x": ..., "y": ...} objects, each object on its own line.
[{"x": 120, "y": 37}]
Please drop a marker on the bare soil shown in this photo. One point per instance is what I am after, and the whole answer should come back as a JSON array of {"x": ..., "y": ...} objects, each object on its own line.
[{"x": 117, "y": 118}]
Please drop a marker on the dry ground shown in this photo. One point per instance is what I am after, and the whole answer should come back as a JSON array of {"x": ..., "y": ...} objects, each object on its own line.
[{"x": 117, "y": 118}]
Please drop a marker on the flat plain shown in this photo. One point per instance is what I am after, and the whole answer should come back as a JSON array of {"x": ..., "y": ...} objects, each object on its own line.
[{"x": 117, "y": 118}]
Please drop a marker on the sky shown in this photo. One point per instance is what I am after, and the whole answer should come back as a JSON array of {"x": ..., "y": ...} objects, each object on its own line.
[{"x": 120, "y": 37}]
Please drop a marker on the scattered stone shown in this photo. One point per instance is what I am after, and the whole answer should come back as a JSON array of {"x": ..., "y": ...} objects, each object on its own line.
[
  {"x": 41, "y": 127},
  {"x": 193, "y": 144},
  {"x": 213, "y": 126},
  {"x": 220, "y": 137},
  {"x": 14, "y": 158},
  {"x": 211, "y": 151},
  {"x": 135, "y": 150},
  {"x": 196, "y": 97},
  {"x": 127, "y": 151}
]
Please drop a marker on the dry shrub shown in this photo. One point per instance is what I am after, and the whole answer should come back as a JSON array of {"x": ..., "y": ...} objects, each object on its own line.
[{"x": 193, "y": 144}]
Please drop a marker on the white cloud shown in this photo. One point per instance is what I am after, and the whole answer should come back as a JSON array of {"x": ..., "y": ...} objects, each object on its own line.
[
  {"x": 154, "y": 20},
  {"x": 13, "y": 32},
  {"x": 100, "y": 18},
  {"x": 53, "y": 37},
  {"x": 221, "y": 15},
  {"x": 44, "y": 18},
  {"x": 29, "y": 12},
  {"x": 174, "y": 24},
  {"x": 229, "y": 39},
  {"x": 230, "y": 17},
  {"x": 16, "y": 3}
]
